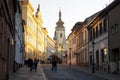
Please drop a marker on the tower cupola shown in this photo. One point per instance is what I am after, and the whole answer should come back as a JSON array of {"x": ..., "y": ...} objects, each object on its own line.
[{"x": 60, "y": 22}]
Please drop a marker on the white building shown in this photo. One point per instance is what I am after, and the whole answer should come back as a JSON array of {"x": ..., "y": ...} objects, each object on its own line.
[{"x": 19, "y": 37}]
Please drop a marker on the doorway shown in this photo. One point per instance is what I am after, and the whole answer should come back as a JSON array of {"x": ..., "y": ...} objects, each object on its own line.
[
  {"x": 97, "y": 59},
  {"x": 115, "y": 58}
]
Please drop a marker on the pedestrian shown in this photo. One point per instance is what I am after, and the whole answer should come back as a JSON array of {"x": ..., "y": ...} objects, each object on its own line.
[
  {"x": 30, "y": 63},
  {"x": 54, "y": 64},
  {"x": 35, "y": 64}
]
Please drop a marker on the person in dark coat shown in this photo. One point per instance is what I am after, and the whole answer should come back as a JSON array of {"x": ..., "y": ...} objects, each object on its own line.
[
  {"x": 35, "y": 64},
  {"x": 54, "y": 65},
  {"x": 30, "y": 63}
]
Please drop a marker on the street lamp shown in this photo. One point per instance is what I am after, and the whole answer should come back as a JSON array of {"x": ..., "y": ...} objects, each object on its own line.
[{"x": 93, "y": 67}]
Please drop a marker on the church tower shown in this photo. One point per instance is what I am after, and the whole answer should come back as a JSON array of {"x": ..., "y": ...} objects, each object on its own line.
[{"x": 59, "y": 35}]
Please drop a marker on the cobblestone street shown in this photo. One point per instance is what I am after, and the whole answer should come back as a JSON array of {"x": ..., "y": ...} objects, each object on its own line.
[
  {"x": 25, "y": 74},
  {"x": 66, "y": 72}
]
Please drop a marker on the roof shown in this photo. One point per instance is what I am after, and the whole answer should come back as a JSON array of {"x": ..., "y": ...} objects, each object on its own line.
[
  {"x": 106, "y": 10},
  {"x": 76, "y": 26}
]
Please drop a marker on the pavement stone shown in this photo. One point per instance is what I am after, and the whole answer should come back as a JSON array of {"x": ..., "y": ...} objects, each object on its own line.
[{"x": 25, "y": 74}]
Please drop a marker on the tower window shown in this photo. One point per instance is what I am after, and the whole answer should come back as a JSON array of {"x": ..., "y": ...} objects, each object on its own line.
[{"x": 60, "y": 35}]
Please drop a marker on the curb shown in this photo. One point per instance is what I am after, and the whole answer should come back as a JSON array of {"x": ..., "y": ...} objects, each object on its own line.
[{"x": 43, "y": 74}]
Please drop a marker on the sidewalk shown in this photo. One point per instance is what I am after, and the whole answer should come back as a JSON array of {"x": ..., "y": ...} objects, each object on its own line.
[
  {"x": 25, "y": 74},
  {"x": 105, "y": 75}
]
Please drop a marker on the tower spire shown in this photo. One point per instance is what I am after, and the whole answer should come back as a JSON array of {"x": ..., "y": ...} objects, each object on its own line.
[
  {"x": 60, "y": 15},
  {"x": 60, "y": 22}
]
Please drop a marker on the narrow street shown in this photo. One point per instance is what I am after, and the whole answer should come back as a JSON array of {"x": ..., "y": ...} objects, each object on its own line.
[
  {"x": 68, "y": 73},
  {"x": 64, "y": 72}
]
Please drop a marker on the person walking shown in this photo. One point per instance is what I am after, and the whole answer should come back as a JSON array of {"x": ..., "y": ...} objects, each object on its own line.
[
  {"x": 35, "y": 64},
  {"x": 30, "y": 63},
  {"x": 54, "y": 64}
]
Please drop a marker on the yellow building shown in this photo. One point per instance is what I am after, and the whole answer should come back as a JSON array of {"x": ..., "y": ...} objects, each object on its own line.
[
  {"x": 50, "y": 46},
  {"x": 44, "y": 55},
  {"x": 69, "y": 44},
  {"x": 34, "y": 35}
]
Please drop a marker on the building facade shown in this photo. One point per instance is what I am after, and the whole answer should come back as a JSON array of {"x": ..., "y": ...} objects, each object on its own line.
[
  {"x": 69, "y": 49},
  {"x": 105, "y": 36},
  {"x": 98, "y": 32},
  {"x": 114, "y": 40},
  {"x": 44, "y": 55},
  {"x": 7, "y": 38},
  {"x": 78, "y": 39},
  {"x": 74, "y": 56},
  {"x": 34, "y": 35},
  {"x": 103, "y": 31},
  {"x": 19, "y": 37},
  {"x": 50, "y": 47}
]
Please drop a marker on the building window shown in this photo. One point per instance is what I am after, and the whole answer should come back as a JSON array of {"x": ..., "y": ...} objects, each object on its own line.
[
  {"x": 100, "y": 28},
  {"x": 85, "y": 35},
  {"x": 97, "y": 58},
  {"x": 60, "y": 35},
  {"x": 115, "y": 54},
  {"x": 105, "y": 25},
  {"x": 93, "y": 33},
  {"x": 81, "y": 37},
  {"x": 104, "y": 54},
  {"x": 90, "y": 34},
  {"x": 114, "y": 28},
  {"x": 96, "y": 31},
  {"x": 74, "y": 39}
]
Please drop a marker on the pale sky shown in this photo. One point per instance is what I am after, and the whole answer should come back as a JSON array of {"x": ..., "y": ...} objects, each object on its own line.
[{"x": 72, "y": 11}]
